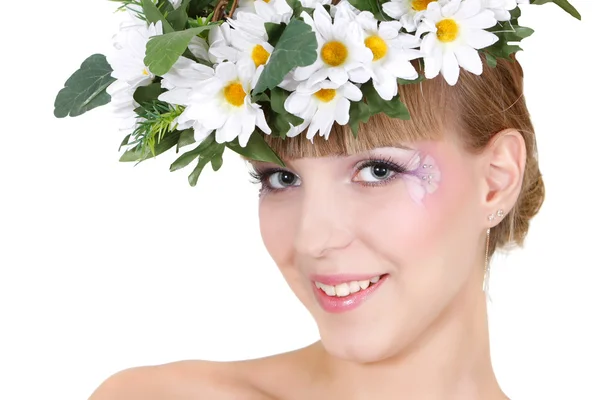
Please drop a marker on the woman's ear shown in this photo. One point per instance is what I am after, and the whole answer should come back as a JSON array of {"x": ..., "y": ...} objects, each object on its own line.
[{"x": 504, "y": 166}]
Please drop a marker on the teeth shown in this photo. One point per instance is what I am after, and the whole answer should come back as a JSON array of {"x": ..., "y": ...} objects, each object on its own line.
[
  {"x": 342, "y": 290},
  {"x": 347, "y": 288}
]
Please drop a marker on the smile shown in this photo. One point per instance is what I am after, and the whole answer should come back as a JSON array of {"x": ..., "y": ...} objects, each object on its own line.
[{"x": 346, "y": 296}]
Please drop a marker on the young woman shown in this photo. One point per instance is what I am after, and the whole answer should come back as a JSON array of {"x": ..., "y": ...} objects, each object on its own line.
[{"x": 384, "y": 237}]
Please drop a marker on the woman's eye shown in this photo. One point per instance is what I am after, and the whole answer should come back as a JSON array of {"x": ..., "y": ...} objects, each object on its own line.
[
  {"x": 375, "y": 173},
  {"x": 282, "y": 179}
]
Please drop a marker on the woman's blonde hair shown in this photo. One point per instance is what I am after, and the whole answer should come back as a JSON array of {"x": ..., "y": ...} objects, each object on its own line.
[{"x": 477, "y": 108}]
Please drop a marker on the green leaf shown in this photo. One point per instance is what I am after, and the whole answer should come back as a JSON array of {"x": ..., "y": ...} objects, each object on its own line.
[
  {"x": 179, "y": 17},
  {"x": 153, "y": 15},
  {"x": 393, "y": 108},
  {"x": 198, "y": 7},
  {"x": 188, "y": 157},
  {"x": 274, "y": 32},
  {"x": 146, "y": 94},
  {"x": 163, "y": 51},
  {"x": 125, "y": 141},
  {"x": 491, "y": 60},
  {"x": 256, "y": 149},
  {"x": 359, "y": 112},
  {"x": 297, "y": 47},
  {"x": 278, "y": 98},
  {"x": 521, "y": 32},
  {"x": 297, "y": 8},
  {"x": 282, "y": 118},
  {"x": 373, "y": 6},
  {"x": 186, "y": 138},
  {"x": 564, "y": 4},
  {"x": 217, "y": 161},
  {"x": 85, "y": 89},
  {"x": 215, "y": 150},
  {"x": 169, "y": 140},
  {"x": 261, "y": 97},
  {"x": 401, "y": 81}
]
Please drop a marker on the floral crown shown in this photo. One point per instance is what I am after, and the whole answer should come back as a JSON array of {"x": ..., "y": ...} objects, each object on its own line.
[{"x": 213, "y": 73}]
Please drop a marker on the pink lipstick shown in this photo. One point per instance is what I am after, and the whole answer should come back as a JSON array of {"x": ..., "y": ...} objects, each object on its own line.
[{"x": 335, "y": 304}]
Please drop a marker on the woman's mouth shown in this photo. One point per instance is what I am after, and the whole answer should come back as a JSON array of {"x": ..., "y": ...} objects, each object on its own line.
[{"x": 346, "y": 296}]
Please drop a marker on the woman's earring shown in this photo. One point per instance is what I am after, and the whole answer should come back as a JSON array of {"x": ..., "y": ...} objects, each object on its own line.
[{"x": 486, "y": 277}]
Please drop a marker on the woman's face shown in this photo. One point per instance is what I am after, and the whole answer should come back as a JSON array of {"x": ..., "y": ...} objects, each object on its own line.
[{"x": 333, "y": 223}]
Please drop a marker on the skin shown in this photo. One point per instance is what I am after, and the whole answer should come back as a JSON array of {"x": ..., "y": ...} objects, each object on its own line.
[{"x": 423, "y": 334}]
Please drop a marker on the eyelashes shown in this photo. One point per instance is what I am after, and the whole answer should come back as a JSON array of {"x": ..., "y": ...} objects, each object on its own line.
[{"x": 278, "y": 179}]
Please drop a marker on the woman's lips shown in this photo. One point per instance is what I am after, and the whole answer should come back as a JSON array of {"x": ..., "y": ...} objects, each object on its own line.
[{"x": 335, "y": 304}]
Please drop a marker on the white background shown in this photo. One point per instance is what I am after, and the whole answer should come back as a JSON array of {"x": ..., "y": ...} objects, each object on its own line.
[{"x": 106, "y": 266}]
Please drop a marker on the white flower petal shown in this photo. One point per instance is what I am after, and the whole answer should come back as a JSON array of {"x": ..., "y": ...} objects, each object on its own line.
[
  {"x": 395, "y": 9},
  {"x": 469, "y": 59},
  {"x": 401, "y": 69},
  {"x": 480, "y": 39},
  {"x": 451, "y": 8},
  {"x": 482, "y": 20},
  {"x": 338, "y": 75},
  {"x": 351, "y": 92},
  {"x": 468, "y": 9},
  {"x": 359, "y": 75},
  {"x": 297, "y": 103},
  {"x": 342, "y": 111},
  {"x": 261, "y": 122},
  {"x": 226, "y": 72},
  {"x": 303, "y": 73},
  {"x": 433, "y": 63},
  {"x": 323, "y": 22},
  {"x": 450, "y": 69}
]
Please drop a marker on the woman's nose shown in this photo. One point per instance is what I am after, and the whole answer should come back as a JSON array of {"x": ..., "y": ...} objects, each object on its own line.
[{"x": 324, "y": 226}]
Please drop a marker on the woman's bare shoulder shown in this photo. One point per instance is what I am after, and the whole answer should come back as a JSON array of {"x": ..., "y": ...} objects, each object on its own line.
[{"x": 181, "y": 380}]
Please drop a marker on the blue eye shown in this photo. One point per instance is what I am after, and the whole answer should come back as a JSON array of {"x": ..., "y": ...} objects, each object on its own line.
[
  {"x": 274, "y": 179},
  {"x": 375, "y": 171},
  {"x": 282, "y": 179}
]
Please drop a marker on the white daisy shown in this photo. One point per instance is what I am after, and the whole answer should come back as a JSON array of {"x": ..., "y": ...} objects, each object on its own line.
[
  {"x": 127, "y": 58},
  {"x": 123, "y": 105},
  {"x": 342, "y": 54},
  {"x": 409, "y": 12},
  {"x": 321, "y": 106},
  {"x": 392, "y": 52},
  {"x": 243, "y": 47},
  {"x": 454, "y": 33},
  {"x": 501, "y": 8},
  {"x": 223, "y": 103},
  {"x": 127, "y": 63},
  {"x": 276, "y": 11}
]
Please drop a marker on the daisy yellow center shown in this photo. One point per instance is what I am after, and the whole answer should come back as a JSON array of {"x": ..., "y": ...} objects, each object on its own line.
[
  {"x": 421, "y": 5},
  {"x": 259, "y": 55},
  {"x": 334, "y": 53},
  {"x": 325, "y": 95},
  {"x": 266, "y": 1},
  {"x": 145, "y": 72},
  {"x": 447, "y": 30},
  {"x": 378, "y": 47},
  {"x": 234, "y": 94}
]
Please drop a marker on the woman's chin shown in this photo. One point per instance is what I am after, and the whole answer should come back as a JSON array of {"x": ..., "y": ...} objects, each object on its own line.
[{"x": 359, "y": 348}]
